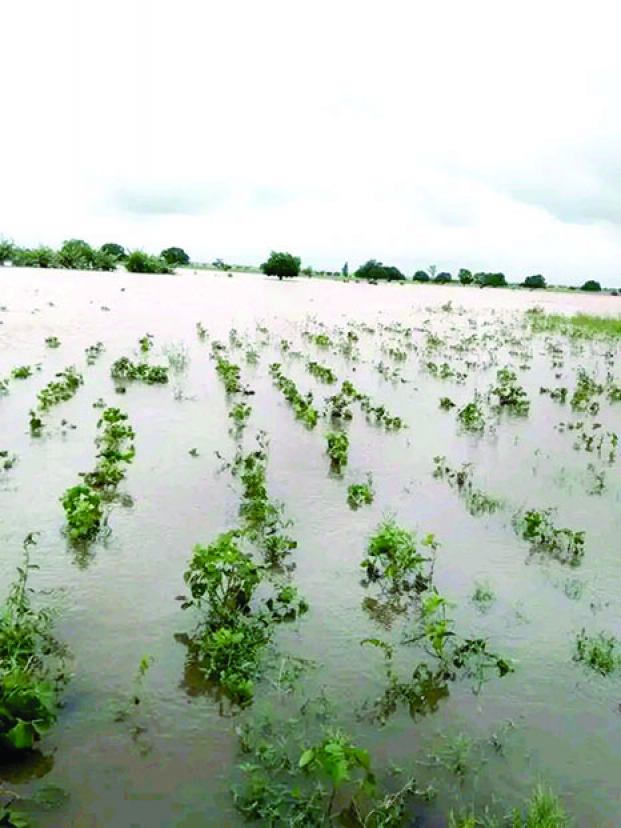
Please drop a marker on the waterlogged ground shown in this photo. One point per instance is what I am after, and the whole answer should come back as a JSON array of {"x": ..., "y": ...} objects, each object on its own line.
[{"x": 173, "y": 759}]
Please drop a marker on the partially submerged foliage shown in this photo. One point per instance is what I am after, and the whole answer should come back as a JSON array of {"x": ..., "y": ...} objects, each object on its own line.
[
  {"x": 600, "y": 652},
  {"x": 393, "y": 558},
  {"x": 302, "y": 404},
  {"x": 31, "y": 669},
  {"x": 126, "y": 370},
  {"x": 477, "y": 502},
  {"x": 360, "y": 494},
  {"x": 537, "y": 527},
  {"x": 337, "y": 447}
]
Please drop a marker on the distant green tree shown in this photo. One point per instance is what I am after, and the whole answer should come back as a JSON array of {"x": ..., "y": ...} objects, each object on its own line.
[
  {"x": 536, "y": 281},
  {"x": 175, "y": 256},
  {"x": 490, "y": 279},
  {"x": 443, "y": 278},
  {"x": 7, "y": 249},
  {"x": 420, "y": 276},
  {"x": 591, "y": 285},
  {"x": 283, "y": 265},
  {"x": 465, "y": 276},
  {"x": 345, "y": 270},
  {"x": 141, "y": 262},
  {"x": 375, "y": 270},
  {"x": 114, "y": 250}
]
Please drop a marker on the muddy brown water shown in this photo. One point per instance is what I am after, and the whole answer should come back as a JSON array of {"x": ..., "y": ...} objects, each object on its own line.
[{"x": 555, "y": 721}]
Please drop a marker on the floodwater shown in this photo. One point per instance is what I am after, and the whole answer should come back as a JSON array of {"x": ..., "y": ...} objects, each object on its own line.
[{"x": 173, "y": 763}]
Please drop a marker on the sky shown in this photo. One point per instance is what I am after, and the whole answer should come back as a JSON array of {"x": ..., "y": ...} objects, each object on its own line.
[{"x": 469, "y": 134}]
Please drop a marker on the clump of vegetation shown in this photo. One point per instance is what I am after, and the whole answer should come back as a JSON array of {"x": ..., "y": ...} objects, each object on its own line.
[
  {"x": 578, "y": 326},
  {"x": 175, "y": 256},
  {"x": 230, "y": 374},
  {"x": 115, "y": 441},
  {"x": 302, "y": 404},
  {"x": 61, "y": 389},
  {"x": 592, "y": 286},
  {"x": 140, "y": 262},
  {"x": 360, "y": 494},
  {"x": 446, "y": 403},
  {"x": 393, "y": 558},
  {"x": 556, "y": 394},
  {"x": 536, "y": 282},
  {"x": 586, "y": 389},
  {"x": 510, "y": 395},
  {"x": 600, "y": 652},
  {"x": 239, "y": 416},
  {"x": 322, "y": 372},
  {"x": 537, "y": 527},
  {"x": 22, "y": 372},
  {"x": 471, "y": 417},
  {"x": 31, "y": 669},
  {"x": 83, "y": 511},
  {"x": 283, "y": 265},
  {"x": 125, "y": 369},
  {"x": 337, "y": 447},
  {"x": 376, "y": 271},
  {"x": 7, "y": 460},
  {"x": 52, "y": 342},
  {"x": 543, "y": 811}
]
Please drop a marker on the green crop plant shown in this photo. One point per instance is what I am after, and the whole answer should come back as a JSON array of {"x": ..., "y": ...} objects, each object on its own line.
[
  {"x": 83, "y": 511},
  {"x": 322, "y": 372},
  {"x": 22, "y": 372},
  {"x": 60, "y": 389},
  {"x": 537, "y": 527},
  {"x": 302, "y": 404},
  {"x": 7, "y": 460},
  {"x": 360, "y": 494},
  {"x": 601, "y": 652},
  {"x": 93, "y": 352},
  {"x": 586, "y": 389},
  {"x": 509, "y": 394},
  {"x": 337, "y": 447},
  {"x": 52, "y": 342},
  {"x": 125, "y": 369},
  {"x": 239, "y": 416},
  {"x": 146, "y": 343},
  {"x": 394, "y": 559},
  {"x": 446, "y": 403},
  {"x": 230, "y": 375},
  {"x": 471, "y": 417},
  {"x": 202, "y": 332},
  {"x": 477, "y": 501},
  {"x": 31, "y": 668}
]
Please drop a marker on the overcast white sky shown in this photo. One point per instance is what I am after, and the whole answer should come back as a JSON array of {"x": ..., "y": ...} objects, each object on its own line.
[{"x": 468, "y": 133}]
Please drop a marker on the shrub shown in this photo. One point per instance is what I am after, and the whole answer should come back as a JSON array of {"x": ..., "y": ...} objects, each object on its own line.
[
  {"x": 536, "y": 281},
  {"x": 591, "y": 285},
  {"x": 175, "y": 256},
  {"x": 465, "y": 276},
  {"x": 43, "y": 257},
  {"x": 283, "y": 265},
  {"x": 7, "y": 249},
  {"x": 443, "y": 278},
  {"x": 76, "y": 254},
  {"x": 141, "y": 262},
  {"x": 420, "y": 276},
  {"x": 377, "y": 271},
  {"x": 114, "y": 250}
]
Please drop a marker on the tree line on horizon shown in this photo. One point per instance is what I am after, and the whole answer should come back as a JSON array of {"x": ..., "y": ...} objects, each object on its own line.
[{"x": 76, "y": 254}]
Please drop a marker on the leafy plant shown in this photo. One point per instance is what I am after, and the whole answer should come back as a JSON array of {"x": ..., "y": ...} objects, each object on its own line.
[
  {"x": 60, "y": 389},
  {"x": 537, "y": 527},
  {"x": 337, "y": 447},
  {"x": 52, "y": 342},
  {"x": 140, "y": 262},
  {"x": 393, "y": 558},
  {"x": 125, "y": 369},
  {"x": 84, "y": 512},
  {"x": 601, "y": 652},
  {"x": 360, "y": 494}
]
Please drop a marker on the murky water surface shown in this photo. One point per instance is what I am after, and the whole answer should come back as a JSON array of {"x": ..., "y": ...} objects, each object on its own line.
[{"x": 550, "y": 720}]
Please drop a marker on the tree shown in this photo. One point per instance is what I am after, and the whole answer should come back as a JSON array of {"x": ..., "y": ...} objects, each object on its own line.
[
  {"x": 283, "y": 265},
  {"x": 490, "y": 279},
  {"x": 536, "y": 281},
  {"x": 376, "y": 271},
  {"x": 591, "y": 285},
  {"x": 141, "y": 262},
  {"x": 465, "y": 276},
  {"x": 420, "y": 276},
  {"x": 345, "y": 270},
  {"x": 7, "y": 248},
  {"x": 175, "y": 256},
  {"x": 114, "y": 250},
  {"x": 443, "y": 278}
]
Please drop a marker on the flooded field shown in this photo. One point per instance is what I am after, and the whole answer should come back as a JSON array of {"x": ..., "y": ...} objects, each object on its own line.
[{"x": 444, "y": 633}]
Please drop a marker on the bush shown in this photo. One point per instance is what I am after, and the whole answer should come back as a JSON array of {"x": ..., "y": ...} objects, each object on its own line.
[
  {"x": 591, "y": 285},
  {"x": 420, "y": 276},
  {"x": 377, "y": 271},
  {"x": 114, "y": 250},
  {"x": 7, "y": 249},
  {"x": 536, "y": 281},
  {"x": 490, "y": 279},
  {"x": 103, "y": 260},
  {"x": 141, "y": 262},
  {"x": 283, "y": 265},
  {"x": 37, "y": 257},
  {"x": 465, "y": 276},
  {"x": 76, "y": 254},
  {"x": 175, "y": 256},
  {"x": 443, "y": 278}
]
